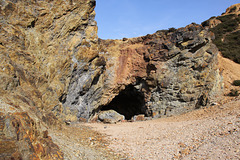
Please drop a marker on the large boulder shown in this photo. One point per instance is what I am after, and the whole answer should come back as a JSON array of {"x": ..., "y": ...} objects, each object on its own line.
[{"x": 110, "y": 116}]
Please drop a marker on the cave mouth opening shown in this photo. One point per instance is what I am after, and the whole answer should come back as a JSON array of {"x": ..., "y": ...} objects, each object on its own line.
[{"x": 129, "y": 102}]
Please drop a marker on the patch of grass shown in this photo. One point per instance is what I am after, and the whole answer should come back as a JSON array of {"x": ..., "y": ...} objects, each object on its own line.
[
  {"x": 230, "y": 47},
  {"x": 172, "y": 29},
  {"x": 226, "y": 18}
]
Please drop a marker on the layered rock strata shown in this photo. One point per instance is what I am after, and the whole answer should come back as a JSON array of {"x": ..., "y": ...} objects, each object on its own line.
[
  {"x": 41, "y": 43},
  {"x": 163, "y": 74},
  {"x": 23, "y": 138},
  {"x": 54, "y": 69},
  {"x": 51, "y": 60}
]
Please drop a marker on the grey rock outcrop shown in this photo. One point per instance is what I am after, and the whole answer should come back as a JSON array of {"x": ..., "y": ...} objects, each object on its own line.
[
  {"x": 168, "y": 73},
  {"x": 41, "y": 44},
  {"x": 110, "y": 116},
  {"x": 53, "y": 55}
]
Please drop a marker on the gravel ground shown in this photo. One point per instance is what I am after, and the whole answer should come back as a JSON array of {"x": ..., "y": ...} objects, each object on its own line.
[
  {"x": 77, "y": 142},
  {"x": 210, "y": 133}
]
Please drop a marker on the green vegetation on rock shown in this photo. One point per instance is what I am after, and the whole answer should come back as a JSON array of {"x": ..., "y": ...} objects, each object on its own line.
[{"x": 227, "y": 37}]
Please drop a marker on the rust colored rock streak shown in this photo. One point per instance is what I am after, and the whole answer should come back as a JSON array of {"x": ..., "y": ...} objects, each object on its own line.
[
  {"x": 131, "y": 65},
  {"x": 41, "y": 44},
  {"x": 170, "y": 68},
  {"x": 20, "y": 138}
]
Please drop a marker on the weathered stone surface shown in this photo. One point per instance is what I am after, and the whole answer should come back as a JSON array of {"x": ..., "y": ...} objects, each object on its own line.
[
  {"x": 23, "y": 138},
  {"x": 110, "y": 116},
  {"x": 136, "y": 118},
  {"x": 41, "y": 44},
  {"x": 52, "y": 59},
  {"x": 171, "y": 72},
  {"x": 53, "y": 67},
  {"x": 234, "y": 9}
]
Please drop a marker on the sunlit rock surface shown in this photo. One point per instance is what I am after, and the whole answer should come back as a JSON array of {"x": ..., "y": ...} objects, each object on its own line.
[
  {"x": 54, "y": 69},
  {"x": 41, "y": 44}
]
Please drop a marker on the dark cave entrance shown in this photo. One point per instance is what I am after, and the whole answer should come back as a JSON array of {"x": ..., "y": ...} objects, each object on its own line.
[{"x": 128, "y": 102}]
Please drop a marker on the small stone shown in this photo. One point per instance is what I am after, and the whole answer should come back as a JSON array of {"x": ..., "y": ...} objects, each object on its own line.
[
  {"x": 82, "y": 119},
  {"x": 45, "y": 134},
  {"x": 140, "y": 117},
  {"x": 214, "y": 103},
  {"x": 67, "y": 122}
]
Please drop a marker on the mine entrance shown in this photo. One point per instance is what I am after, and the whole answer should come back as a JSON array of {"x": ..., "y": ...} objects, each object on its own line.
[{"x": 129, "y": 102}]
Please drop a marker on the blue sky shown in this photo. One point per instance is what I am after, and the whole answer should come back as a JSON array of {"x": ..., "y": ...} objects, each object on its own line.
[{"x": 132, "y": 18}]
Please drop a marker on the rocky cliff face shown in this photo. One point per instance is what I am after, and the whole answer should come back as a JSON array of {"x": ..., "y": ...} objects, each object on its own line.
[
  {"x": 22, "y": 137},
  {"x": 54, "y": 68},
  {"x": 51, "y": 60},
  {"x": 42, "y": 43},
  {"x": 163, "y": 74}
]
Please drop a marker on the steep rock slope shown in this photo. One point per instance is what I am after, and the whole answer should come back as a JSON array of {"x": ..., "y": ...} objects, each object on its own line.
[
  {"x": 41, "y": 43},
  {"x": 227, "y": 32},
  {"x": 54, "y": 67},
  {"x": 163, "y": 74},
  {"x": 22, "y": 137}
]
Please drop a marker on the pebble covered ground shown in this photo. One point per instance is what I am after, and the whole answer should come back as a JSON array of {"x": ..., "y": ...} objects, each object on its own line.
[
  {"x": 78, "y": 141},
  {"x": 210, "y": 133}
]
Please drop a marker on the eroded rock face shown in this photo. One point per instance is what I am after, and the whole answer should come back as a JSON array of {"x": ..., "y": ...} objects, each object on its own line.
[
  {"x": 22, "y": 137},
  {"x": 53, "y": 67},
  {"x": 51, "y": 59},
  {"x": 175, "y": 71},
  {"x": 41, "y": 43},
  {"x": 234, "y": 9}
]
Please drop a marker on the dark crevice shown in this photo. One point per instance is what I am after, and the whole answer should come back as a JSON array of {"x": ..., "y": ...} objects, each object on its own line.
[
  {"x": 146, "y": 57},
  {"x": 202, "y": 101},
  {"x": 194, "y": 49},
  {"x": 75, "y": 102},
  {"x": 32, "y": 25},
  {"x": 151, "y": 67},
  {"x": 95, "y": 80},
  {"x": 63, "y": 98},
  {"x": 128, "y": 102},
  {"x": 93, "y": 58}
]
